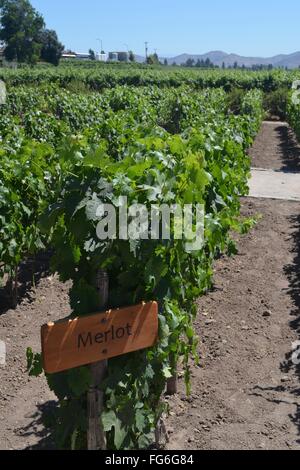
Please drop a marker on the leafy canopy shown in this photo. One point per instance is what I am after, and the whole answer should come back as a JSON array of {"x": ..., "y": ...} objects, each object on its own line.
[
  {"x": 24, "y": 34},
  {"x": 52, "y": 49}
]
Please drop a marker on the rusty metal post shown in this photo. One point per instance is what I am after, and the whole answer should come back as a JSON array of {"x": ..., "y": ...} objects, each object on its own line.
[{"x": 96, "y": 438}]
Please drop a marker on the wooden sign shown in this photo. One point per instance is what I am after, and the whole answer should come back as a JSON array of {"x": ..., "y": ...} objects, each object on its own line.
[{"x": 86, "y": 340}]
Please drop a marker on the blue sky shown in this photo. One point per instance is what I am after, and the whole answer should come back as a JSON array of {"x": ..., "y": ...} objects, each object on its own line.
[{"x": 257, "y": 28}]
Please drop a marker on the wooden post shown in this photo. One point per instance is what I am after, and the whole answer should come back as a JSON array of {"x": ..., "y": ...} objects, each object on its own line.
[
  {"x": 14, "y": 287},
  {"x": 33, "y": 266},
  {"x": 161, "y": 434},
  {"x": 172, "y": 387},
  {"x": 172, "y": 384},
  {"x": 96, "y": 438}
]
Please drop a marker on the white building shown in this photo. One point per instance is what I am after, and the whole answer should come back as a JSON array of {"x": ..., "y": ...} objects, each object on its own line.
[
  {"x": 120, "y": 56},
  {"x": 102, "y": 57}
]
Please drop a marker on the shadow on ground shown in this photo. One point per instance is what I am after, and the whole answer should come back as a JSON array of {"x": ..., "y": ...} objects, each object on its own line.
[
  {"x": 292, "y": 272},
  {"x": 274, "y": 394},
  {"x": 37, "y": 428},
  {"x": 290, "y": 149},
  {"x": 290, "y": 160},
  {"x": 31, "y": 271}
]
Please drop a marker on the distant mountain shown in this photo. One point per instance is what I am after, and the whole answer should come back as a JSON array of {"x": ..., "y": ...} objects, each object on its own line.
[{"x": 219, "y": 57}]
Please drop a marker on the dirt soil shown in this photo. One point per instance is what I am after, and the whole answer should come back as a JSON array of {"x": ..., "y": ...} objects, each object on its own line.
[
  {"x": 276, "y": 148},
  {"x": 246, "y": 392},
  {"x": 23, "y": 399}
]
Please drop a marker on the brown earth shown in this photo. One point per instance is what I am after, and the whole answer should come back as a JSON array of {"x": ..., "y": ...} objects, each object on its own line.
[
  {"x": 246, "y": 392},
  {"x": 276, "y": 148},
  {"x": 23, "y": 399}
]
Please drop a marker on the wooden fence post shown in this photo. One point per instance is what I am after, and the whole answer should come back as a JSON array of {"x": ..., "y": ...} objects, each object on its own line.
[{"x": 96, "y": 438}]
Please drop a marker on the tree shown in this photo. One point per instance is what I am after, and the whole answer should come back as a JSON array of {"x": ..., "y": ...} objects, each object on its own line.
[
  {"x": 153, "y": 59},
  {"x": 92, "y": 54},
  {"x": 131, "y": 56},
  {"x": 52, "y": 49},
  {"x": 166, "y": 62},
  {"x": 24, "y": 35},
  {"x": 208, "y": 63},
  {"x": 21, "y": 26},
  {"x": 190, "y": 62}
]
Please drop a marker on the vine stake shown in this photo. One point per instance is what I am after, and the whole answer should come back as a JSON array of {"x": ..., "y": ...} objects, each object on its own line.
[
  {"x": 172, "y": 385},
  {"x": 96, "y": 436},
  {"x": 161, "y": 434},
  {"x": 14, "y": 287}
]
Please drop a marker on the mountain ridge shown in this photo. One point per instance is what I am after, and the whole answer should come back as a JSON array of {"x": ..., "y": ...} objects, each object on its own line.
[{"x": 219, "y": 57}]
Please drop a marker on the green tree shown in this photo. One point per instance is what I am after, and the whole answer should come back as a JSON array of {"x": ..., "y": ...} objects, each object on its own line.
[
  {"x": 153, "y": 59},
  {"x": 166, "y": 62},
  {"x": 131, "y": 56},
  {"x": 52, "y": 49},
  {"x": 208, "y": 63},
  {"x": 21, "y": 27},
  {"x": 190, "y": 63},
  {"x": 92, "y": 54}
]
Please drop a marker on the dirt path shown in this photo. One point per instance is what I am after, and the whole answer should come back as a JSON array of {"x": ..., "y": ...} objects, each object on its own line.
[
  {"x": 23, "y": 399},
  {"x": 276, "y": 148},
  {"x": 243, "y": 396},
  {"x": 275, "y": 163},
  {"x": 245, "y": 391}
]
